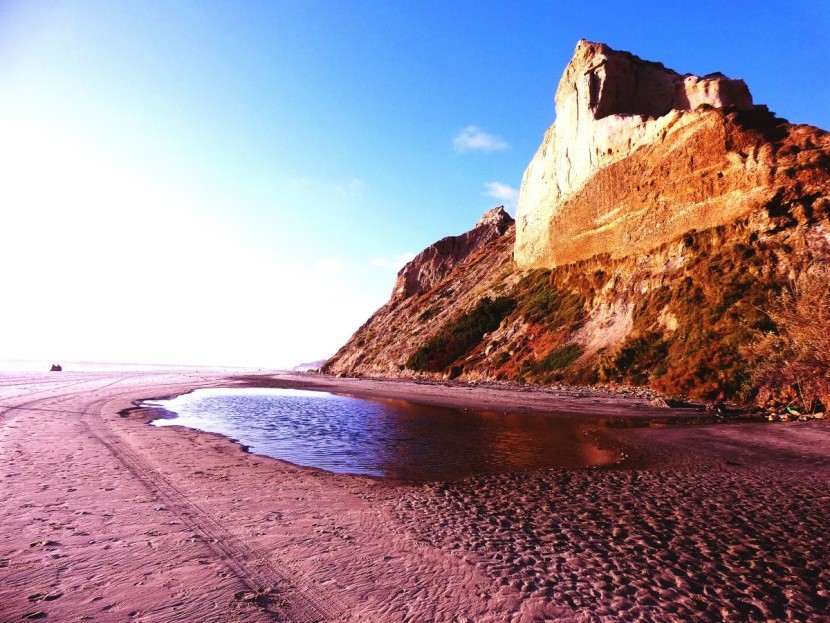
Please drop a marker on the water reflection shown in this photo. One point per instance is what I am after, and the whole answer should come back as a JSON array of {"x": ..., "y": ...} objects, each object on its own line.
[{"x": 390, "y": 438}]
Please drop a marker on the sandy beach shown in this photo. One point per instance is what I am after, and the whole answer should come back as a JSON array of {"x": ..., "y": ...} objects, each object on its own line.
[{"x": 105, "y": 518}]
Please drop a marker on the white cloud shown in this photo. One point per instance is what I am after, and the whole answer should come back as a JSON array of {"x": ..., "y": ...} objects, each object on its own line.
[
  {"x": 393, "y": 263},
  {"x": 353, "y": 187},
  {"x": 502, "y": 192},
  {"x": 473, "y": 138}
]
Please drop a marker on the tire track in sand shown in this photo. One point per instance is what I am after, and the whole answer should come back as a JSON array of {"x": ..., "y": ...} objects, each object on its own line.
[
  {"x": 288, "y": 600},
  {"x": 58, "y": 397}
]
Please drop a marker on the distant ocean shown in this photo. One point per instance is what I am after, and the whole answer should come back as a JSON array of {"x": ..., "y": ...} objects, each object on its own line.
[{"x": 34, "y": 365}]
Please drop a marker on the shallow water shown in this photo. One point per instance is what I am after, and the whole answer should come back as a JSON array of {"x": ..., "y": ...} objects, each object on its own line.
[{"x": 387, "y": 438}]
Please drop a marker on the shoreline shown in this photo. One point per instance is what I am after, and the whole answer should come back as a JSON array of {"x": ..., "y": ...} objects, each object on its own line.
[
  {"x": 586, "y": 402},
  {"x": 598, "y": 450},
  {"x": 110, "y": 519},
  {"x": 609, "y": 412}
]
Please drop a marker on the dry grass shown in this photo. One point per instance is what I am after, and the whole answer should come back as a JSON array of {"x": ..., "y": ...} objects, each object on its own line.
[{"x": 794, "y": 360}]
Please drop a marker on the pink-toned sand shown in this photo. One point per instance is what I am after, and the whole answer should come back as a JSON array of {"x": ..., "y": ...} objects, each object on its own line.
[{"x": 104, "y": 518}]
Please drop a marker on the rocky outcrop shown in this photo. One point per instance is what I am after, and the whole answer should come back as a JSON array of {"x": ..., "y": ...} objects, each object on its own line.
[
  {"x": 383, "y": 345},
  {"x": 668, "y": 230},
  {"x": 640, "y": 154},
  {"x": 433, "y": 264}
]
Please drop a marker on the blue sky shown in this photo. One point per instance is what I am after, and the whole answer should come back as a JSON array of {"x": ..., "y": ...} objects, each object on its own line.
[{"x": 236, "y": 182}]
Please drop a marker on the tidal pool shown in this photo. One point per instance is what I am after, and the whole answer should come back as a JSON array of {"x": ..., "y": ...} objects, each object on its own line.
[{"x": 385, "y": 438}]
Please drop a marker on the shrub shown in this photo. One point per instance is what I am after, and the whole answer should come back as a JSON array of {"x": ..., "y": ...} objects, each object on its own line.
[
  {"x": 545, "y": 304},
  {"x": 717, "y": 305},
  {"x": 460, "y": 336},
  {"x": 639, "y": 358},
  {"x": 793, "y": 360},
  {"x": 558, "y": 359}
]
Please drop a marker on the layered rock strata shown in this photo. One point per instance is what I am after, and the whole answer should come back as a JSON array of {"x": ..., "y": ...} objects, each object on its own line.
[{"x": 640, "y": 154}]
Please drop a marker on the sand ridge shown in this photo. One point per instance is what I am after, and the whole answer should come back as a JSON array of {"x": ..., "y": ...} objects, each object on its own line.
[{"x": 108, "y": 519}]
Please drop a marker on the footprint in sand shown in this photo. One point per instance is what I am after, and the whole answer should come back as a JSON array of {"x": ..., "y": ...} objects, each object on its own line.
[{"x": 45, "y": 596}]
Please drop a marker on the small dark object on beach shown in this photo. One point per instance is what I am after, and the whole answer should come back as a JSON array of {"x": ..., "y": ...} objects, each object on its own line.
[{"x": 56, "y": 367}]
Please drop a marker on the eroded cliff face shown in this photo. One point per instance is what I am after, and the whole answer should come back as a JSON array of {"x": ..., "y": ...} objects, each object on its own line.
[
  {"x": 434, "y": 264},
  {"x": 639, "y": 155},
  {"x": 667, "y": 228},
  {"x": 447, "y": 285}
]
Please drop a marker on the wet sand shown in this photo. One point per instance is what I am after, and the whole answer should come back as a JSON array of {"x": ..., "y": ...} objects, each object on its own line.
[{"x": 107, "y": 519}]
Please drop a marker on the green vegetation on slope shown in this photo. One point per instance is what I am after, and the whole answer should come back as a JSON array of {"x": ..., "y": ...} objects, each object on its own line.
[
  {"x": 717, "y": 304},
  {"x": 730, "y": 313},
  {"x": 545, "y": 304},
  {"x": 692, "y": 333},
  {"x": 460, "y": 336},
  {"x": 558, "y": 359}
]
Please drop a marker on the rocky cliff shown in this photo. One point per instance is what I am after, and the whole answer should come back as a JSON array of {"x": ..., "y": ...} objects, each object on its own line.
[
  {"x": 639, "y": 155},
  {"x": 670, "y": 233},
  {"x": 473, "y": 265},
  {"x": 436, "y": 262}
]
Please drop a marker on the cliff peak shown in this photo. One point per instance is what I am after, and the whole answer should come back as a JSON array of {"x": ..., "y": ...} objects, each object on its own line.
[
  {"x": 497, "y": 217},
  {"x": 640, "y": 154},
  {"x": 433, "y": 264},
  {"x": 609, "y": 82}
]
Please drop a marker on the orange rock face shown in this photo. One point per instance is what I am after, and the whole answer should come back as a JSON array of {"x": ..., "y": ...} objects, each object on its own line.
[
  {"x": 436, "y": 262},
  {"x": 382, "y": 346},
  {"x": 639, "y": 155}
]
